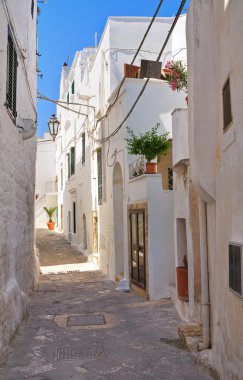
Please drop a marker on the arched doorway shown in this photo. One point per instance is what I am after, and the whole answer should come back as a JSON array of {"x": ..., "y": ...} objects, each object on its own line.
[{"x": 118, "y": 218}]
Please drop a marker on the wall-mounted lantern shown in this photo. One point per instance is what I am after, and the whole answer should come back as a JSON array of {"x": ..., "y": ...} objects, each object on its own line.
[{"x": 53, "y": 125}]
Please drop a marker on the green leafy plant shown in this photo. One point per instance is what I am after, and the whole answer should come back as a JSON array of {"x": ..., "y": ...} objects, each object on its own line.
[
  {"x": 50, "y": 211},
  {"x": 175, "y": 74},
  {"x": 149, "y": 144}
]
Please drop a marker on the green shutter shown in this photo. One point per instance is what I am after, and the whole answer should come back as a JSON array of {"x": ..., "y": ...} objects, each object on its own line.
[
  {"x": 72, "y": 161},
  {"x": 68, "y": 165}
]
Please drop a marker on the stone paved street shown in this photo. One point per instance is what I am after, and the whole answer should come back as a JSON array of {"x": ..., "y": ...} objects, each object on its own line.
[{"x": 80, "y": 328}]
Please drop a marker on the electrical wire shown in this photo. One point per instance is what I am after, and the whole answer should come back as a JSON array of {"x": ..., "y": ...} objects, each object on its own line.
[
  {"x": 43, "y": 97},
  {"x": 133, "y": 60},
  {"x": 147, "y": 80}
]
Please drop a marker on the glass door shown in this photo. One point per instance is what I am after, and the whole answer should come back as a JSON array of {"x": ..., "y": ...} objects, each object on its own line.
[{"x": 138, "y": 258}]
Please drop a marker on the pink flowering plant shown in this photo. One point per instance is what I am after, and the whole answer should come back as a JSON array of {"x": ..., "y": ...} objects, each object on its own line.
[{"x": 175, "y": 75}]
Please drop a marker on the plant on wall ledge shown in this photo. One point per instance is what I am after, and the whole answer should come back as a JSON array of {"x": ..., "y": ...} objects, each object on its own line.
[
  {"x": 175, "y": 74},
  {"x": 149, "y": 144}
]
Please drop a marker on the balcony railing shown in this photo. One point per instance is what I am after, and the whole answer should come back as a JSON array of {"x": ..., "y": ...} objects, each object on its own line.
[
  {"x": 137, "y": 168},
  {"x": 51, "y": 187}
]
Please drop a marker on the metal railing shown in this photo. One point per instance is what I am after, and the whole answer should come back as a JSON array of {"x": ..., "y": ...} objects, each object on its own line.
[{"x": 51, "y": 187}]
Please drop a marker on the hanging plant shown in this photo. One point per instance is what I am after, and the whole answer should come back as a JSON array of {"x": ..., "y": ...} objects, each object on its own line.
[{"x": 175, "y": 74}]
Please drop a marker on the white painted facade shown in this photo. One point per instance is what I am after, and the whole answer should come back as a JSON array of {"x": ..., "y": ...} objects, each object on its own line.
[
  {"x": 103, "y": 229},
  {"x": 18, "y": 269},
  {"x": 46, "y": 180},
  {"x": 215, "y": 54}
]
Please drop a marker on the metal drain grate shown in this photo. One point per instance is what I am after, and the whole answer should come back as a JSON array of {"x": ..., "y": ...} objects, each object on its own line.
[
  {"x": 86, "y": 320},
  {"x": 93, "y": 352}
]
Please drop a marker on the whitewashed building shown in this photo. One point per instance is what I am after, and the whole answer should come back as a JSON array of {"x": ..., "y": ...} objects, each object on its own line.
[
  {"x": 46, "y": 180},
  {"x": 106, "y": 210},
  {"x": 17, "y": 164},
  {"x": 213, "y": 164}
]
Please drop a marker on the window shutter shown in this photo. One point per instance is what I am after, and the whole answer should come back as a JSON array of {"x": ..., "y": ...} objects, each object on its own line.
[
  {"x": 83, "y": 149},
  {"x": 69, "y": 165},
  {"x": 72, "y": 160}
]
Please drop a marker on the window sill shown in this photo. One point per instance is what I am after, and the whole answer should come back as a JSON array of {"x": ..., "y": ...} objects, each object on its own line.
[{"x": 239, "y": 296}]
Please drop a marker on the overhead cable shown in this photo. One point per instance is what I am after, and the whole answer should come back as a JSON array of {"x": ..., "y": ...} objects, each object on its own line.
[
  {"x": 147, "y": 80},
  {"x": 133, "y": 60}
]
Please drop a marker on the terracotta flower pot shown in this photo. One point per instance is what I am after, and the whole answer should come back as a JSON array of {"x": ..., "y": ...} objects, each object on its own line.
[
  {"x": 182, "y": 283},
  {"x": 151, "y": 167},
  {"x": 51, "y": 225}
]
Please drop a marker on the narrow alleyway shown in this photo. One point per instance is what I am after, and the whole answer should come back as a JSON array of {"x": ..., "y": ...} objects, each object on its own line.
[{"x": 80, "y": 328}]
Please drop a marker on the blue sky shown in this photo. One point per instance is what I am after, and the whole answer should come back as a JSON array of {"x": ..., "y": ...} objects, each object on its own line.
[{"x": 66, "y": 26}]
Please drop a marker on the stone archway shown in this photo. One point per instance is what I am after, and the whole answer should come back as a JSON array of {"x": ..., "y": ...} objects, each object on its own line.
[{"x": 118, "y": 219}]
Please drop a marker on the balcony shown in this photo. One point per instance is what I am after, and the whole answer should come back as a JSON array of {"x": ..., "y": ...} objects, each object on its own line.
[
  {"x": 51, "y": 187},
  {"x": 180, "y": 139}
]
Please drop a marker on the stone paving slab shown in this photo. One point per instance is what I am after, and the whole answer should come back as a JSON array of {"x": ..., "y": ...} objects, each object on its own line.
[
  {"x": 137, "y": 341},
  {"x": 55, "y": 250}
]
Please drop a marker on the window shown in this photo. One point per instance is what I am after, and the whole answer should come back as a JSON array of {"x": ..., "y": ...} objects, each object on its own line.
[
  {"x": 72, "y": 161},
  {"x": 68, "y": 163},
  {"x": 73, "y": 87},
  {"x": 170, "y": 179},
  {"x": 12, "y": 63},
  {"x": 32, "y": 8},
  {"x": 227, "y": 104},
  {"x": 99, "y": 175},
  {"x": 68, "y": 98},
  {"x": 83, "y": 148},
  {"x": 235, "y": 262},
  {"x": 61, "y": 178},
  {"x": 74, "y": 217}
]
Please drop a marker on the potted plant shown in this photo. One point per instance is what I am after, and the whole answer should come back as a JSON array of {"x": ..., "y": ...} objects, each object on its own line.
[
  {"x": 182, "y": 281},
  {"x": 50, "y": 211},
  {"x": 149, "y": 144},
  {"x": 175, "y": 74}
]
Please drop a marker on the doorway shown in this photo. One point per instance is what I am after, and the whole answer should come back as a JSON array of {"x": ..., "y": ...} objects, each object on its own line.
[{"x": 137, "y": 244}]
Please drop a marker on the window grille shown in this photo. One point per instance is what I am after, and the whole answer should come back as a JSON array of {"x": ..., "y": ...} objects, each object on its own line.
[
  {"x": 235, "y": 262},
  {"x": 12, "y": 64},
  {"x": 99, "y": 173},
  {"x": 72, "y": 161},
  {"x": 227, "y": 104},
  {"x": 83, "y": 148},
  {"x": 170, "y": 179}
]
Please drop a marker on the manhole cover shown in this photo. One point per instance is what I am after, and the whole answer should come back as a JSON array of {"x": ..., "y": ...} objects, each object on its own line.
[
  {"x": 94, "y": 352},
  {"x": 86, "y": 320}
]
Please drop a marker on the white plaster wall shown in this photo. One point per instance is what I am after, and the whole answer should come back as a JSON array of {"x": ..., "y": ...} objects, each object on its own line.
[
  {"x": 18, "y": 265},
  {"x": 103, "y": 72},
  {"x": 214, "y": 31},
  {"x": 180, "y": 147},
  {"x": 45, "y": 185},
  {"x": 161, "y": 261}
]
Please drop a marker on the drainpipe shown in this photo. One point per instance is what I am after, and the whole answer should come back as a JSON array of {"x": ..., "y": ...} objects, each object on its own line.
[{"x": 204, "y": 276}]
